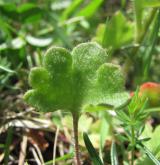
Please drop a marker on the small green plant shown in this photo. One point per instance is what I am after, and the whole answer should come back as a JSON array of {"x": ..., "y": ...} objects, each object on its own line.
[
  {"x": 73, "y": 81},
  {"x": 133, "y": 122},
  {"x": 5, "y": 71}
]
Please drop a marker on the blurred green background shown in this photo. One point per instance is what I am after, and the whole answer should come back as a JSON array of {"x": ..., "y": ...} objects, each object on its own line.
[{"x": 128, "y": 30}]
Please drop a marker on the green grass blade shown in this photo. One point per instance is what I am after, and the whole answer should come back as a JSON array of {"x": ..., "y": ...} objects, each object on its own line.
[
  {"x": 60, "y": 32},
  {"x": 90, "y": 9},
  {"x": 6, "y": 69},
  {"x": 7, "y": 145},
  {"x": 138, "y": 16},
  {"x": 147, "y": 58},
  {"x": 150, "y": 110},
  {"x": 92, "y": 152},
  {"x": 62, "y": 158},
  {"x": 72, "y": 8},
  {"x": 151, "y": 156},
  {"x": 114, "y": 158},
  {"x": 151, "y": 3}
]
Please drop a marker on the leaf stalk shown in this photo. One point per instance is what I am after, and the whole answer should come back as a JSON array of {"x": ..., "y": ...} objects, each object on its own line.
[{"x": 75, "y": 117}]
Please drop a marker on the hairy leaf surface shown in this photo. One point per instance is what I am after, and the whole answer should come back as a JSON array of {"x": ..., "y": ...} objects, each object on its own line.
[{"x": 70, "y": 81}]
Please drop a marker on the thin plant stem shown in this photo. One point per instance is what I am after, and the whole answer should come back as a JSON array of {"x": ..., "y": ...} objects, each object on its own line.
[
  {"x": 75, "y": 134},
  {"x": 138, "y": 18},
  {"x": 7, "y": 145},
  {"x": 133, "y": 144},
  {"x": 55, "y": 145},
  {"x": 22, "y": 154}
]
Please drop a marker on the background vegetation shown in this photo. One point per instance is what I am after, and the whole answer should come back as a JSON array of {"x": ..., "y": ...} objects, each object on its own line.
[{"x": 129, "y": 33}]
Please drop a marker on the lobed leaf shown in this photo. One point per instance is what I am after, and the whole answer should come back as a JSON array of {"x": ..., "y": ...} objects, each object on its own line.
[
  {"x": 72, "y": 81},
  {"x": 107, "y": 87}
]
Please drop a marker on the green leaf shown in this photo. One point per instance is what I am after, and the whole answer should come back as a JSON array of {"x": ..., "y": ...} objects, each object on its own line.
[
  {"x": 151, "y": 3},
  {"x": 25, "y": 7},
  {"x": 111, "y": 37},
  {"x": 4, "y": 65},
  {"x": 26, "y": 13},
  {"x": 73, "y": 81},
  {"x": 152, "y": 40},
  {"x": 108, "y": 86},
  {"x": 90, "y": 9},
  {"x": 61, "y": 158},
  {"x": 5, "y": 27},
  {"x": 137, "y": 103},
  {"x": 114, "y": 158},
  {"x": 61, "y": 32},
  {"x": 29, "y": 12},
  {"x": 153, "y": 145},
  {"x": 73, "y": 6},
  {"x": 87, "y": 11},
  {"x": 92, "y": 152},
  {"x": 104, "y": 131},
  {"x": 8, "y": 142},
  {"x": 6, "y": 69},
  {"x": 8, "y": 6},
  {"x": 156, "y": 109},
  {"x": 151, "y": 156},
  {"x": 97, "y": 108},
  {"x": 100, "y": 33},
  {"x": 122, "y": 106},
  {"x": 138, "y": 7},
  {"x": 54, "y": 82},
  {"x": 123, "y": 116}
]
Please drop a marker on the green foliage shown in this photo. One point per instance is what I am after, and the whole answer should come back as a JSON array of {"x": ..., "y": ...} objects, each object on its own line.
[
  {"x": 151, "y": 156},
  {"x": 116, "y": 33},
  {"x": 60, "y": 159},
  {"x": 104, "y": 130},
  {"x": 135, "y": 115},
  {"x": 5, "y": 71},
  {"x": 73, "y": 6},
  {"x": 136, "y": 103},
  {"x": 90, "y": 9},
  {"x": 138, "y": 7},
  {"x": 133, "y": 123},
  {"x": 150, "y": 147},
  {"x": 149, "y": 51},
  {"x": 81, "y": 80},
  {"x": 151, "y": 3},
  {"x": 4, "y": 65},
  {"x": 72, "y": 81},
  {"x": 26, "y": 13},
  {"x": 114, "y": 158},
  {"x": 7, "y": 145},
  {"x": 87, "y": 11},
  {"x": 92, "y": 152}
]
